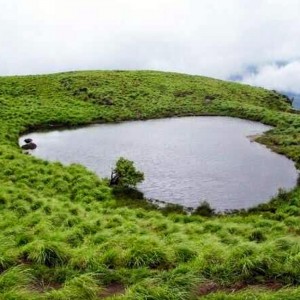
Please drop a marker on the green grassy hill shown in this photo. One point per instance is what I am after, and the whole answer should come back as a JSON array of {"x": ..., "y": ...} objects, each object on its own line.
[{"x": 64, "y": 235}]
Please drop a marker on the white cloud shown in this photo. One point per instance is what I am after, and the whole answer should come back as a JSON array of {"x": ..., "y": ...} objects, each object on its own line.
[
  {"x": 208, "y": 37},
  {"x": 280, "y": 77}
]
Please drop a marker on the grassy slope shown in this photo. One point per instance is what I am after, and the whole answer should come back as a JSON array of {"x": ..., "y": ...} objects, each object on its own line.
[{"x": 63, "y": 235}]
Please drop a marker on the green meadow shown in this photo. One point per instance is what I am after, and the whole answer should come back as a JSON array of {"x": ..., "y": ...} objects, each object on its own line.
[{"x": 65, "y": 234}]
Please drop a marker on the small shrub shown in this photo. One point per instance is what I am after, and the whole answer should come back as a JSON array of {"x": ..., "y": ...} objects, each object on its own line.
[
  {"x": 257, "y": 236},
  {"x": 146, "y": 256},
  {"x": 48, "y": 253},
  {"x": 173, "y": 208},
  {"x": 204, "y": 209},
  {"x": 125, "y": 174},
  {"x": 13, "y": 278},
  {"x": 185, "y": 254}
]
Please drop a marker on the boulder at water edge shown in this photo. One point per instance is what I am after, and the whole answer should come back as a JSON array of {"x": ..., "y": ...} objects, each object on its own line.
[{"x": 29, "y": 146}]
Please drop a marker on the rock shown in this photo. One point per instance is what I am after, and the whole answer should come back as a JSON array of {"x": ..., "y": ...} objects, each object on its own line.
[
  {"x": 107, "y": 101},
  {"x": 209, "y": 98},
  {"x": 29, "y": 146},
  {"x": 80, "y": 91},
  {"x": 27, "y": 141}
]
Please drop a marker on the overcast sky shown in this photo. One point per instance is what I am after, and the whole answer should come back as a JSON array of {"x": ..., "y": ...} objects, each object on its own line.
[{"x": 255, "y": 41}]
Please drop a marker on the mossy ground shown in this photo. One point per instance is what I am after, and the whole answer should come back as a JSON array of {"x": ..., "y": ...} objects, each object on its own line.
[{"x": 65, "y": 235}]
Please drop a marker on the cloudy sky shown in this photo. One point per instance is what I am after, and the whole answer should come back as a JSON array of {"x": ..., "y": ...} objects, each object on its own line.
[{"x": 254, "y": 41}]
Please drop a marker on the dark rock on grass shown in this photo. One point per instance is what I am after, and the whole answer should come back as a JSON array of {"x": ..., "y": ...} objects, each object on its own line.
[
  {"x": 107, "y": 101},
  {"x": 81, "y": 90},
  {"x": 209, "y": 98},
  {"x": 27, "y": 141},
  {"x": 29, "y": 146}
]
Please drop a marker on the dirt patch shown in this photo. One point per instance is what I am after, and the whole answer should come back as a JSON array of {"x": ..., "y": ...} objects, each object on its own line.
[
  {"x": 43, "y": 286},
  {"x": 113, "y": 289},
  {"x": 206, "y": 288},
  {"x": 253, "y": 137},
  {"x": 274, "y": 286},
  {"x": 25, "y": 261},
  {"x": 212, "y": 287}
]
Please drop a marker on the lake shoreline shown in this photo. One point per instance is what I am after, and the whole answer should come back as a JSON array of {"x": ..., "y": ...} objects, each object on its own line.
[{"x": 212, "y": 121}]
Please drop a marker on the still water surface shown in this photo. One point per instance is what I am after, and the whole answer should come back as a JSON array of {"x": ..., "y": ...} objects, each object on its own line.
[{"x": 185, "y": 160}]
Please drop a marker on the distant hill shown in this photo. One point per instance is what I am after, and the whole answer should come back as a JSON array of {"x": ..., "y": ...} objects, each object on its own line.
[{"x": 296, "y": 102}]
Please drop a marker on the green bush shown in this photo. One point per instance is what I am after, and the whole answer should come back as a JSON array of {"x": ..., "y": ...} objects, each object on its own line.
[
  {"x": 204, "y": 210},
  {"x": 125, "y": 174}
]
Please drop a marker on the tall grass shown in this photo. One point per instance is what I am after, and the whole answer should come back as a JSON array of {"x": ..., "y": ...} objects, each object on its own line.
[{"x": 64, "y": 234}]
